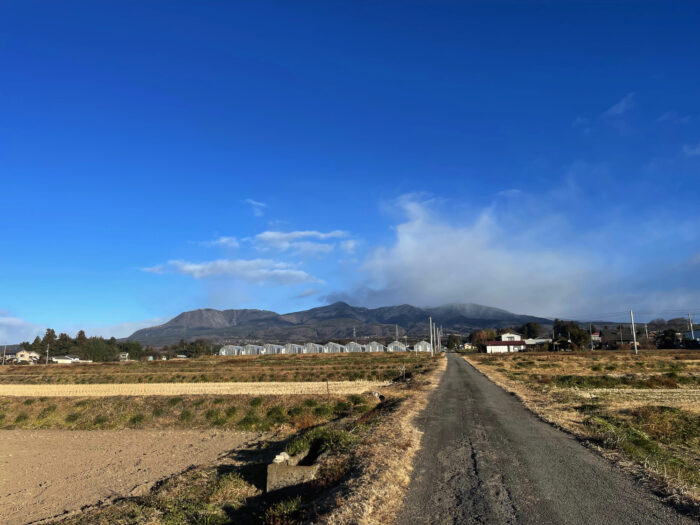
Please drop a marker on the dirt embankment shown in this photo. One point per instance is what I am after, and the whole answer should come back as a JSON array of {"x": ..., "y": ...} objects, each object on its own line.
[
  {"x": 48, "y": 472},
  {"x": 176, "y": 389}
]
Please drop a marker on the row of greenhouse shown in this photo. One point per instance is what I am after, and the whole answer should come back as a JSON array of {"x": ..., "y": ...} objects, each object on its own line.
[{"x": 328, "y": 348}]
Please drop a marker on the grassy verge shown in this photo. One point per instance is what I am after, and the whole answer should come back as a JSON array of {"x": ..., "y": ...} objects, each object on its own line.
[{"x": 644, "y": 409}]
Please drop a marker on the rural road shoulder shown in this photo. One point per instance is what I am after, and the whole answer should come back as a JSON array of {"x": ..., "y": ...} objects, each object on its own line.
[{"x": 485, "y": 458}]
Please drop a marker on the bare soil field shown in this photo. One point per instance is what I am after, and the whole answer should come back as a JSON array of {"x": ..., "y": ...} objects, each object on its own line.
[
  {"x": 176, "y": 389},
  {"x": 644, "y": 408},
  {"x": 49, "y": 472},
  {"x": 226, "y": 369}
]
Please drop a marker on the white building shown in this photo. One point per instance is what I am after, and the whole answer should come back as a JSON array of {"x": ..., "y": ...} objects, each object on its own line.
[
  {"x": 252, "y": 350},
  {"x": 511, "y": 336},
  {"x": 396, "y": 346},
  {"x": 313, "y": 348},
  {"x": 231, "y": 350},
  {"x": 422, "y": 346},
  {"x": 503, "y": 347},
  {"x": 291, "y": 348},
  {"x": 270, "y": 349},
  {"x": 374, "y": 347},
  {"x": 27, "y": 356},
  {"x": 353, "y": 347},
  {"x": 537, "y": 341},
  {"x": 333, "y": 348},
  {"x": 65, "y": 359}
]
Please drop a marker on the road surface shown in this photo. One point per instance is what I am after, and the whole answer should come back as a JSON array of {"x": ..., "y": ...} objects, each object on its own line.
[{"x": 486, "y": 459}]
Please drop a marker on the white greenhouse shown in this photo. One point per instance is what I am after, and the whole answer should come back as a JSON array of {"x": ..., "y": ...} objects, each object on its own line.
[
  {"x": 252, "y": 350},
  {"x": 396, "y": 346},
  {"x": 231, "y": 350},
  {"x": 313, "y": 348},
  {"x": 333, "y": 348},
  {"x": 270, "y": 349},
  {"x": 353, "y": 347},
  {"x": 291, "y": 348},
  {"x": 422, "y": 346},
  {"x": 375, "y": 347}
]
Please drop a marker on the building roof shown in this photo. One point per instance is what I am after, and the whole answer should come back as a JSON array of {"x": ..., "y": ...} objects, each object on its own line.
[{"x": 505, "y": 343}]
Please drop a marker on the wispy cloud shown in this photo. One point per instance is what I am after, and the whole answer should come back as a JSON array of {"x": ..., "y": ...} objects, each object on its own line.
[
  {"x": 229, "y": 242},
  {"x": 257, "y": 207},
  {"x": 303, "y": 242},
  {"x": 348, "y": 246},
  {"x": 621, "y": 107},
  {"x": 692, "y": 151},
  {"x": 253, "y": 271},
  {"x": 673, "y": 117}
]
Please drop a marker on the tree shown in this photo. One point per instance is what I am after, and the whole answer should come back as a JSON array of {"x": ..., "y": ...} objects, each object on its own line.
[
  {"x": 63, "y": 344},
  {"x": 666, "y": 339},
  {"x": 81, "y": 339},
  {"x": 530, "y": 330},
  {"x": 49, "y": 338},
  {"x": 569, "y": 331},
  {"x": 36, "y": 345},
  {"x": 453, "y": 341}
]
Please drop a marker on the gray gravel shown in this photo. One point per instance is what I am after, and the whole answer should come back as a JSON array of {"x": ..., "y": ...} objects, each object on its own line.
[{"x": 486, "y": 459}]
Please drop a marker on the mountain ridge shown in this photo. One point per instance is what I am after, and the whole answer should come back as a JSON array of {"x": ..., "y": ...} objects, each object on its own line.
[{"x": 338, "y": 320}]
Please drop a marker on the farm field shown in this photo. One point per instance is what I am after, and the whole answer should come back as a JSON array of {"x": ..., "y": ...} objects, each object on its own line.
[
  {"x": 195, "y": 452},
  {"x": 225, "y": 369},
  {"x": 644, "y": 408}
]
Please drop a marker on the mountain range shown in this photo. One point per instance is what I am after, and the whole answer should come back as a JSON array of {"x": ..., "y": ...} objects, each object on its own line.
[{"x": 335, "y": 321}]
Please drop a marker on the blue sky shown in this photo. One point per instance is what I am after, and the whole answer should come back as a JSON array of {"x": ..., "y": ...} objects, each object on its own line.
[{"x": 157, "y": 157}]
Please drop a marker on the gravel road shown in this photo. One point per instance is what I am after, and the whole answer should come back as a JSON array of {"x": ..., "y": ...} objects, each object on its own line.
[{"x": 486, "y": 459}]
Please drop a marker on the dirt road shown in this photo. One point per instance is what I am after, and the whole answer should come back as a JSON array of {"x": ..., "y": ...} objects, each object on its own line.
[
  {"x": 44, "y": 473},
  {"x": 486, "y": 459},
  {"x": 176, "y": 389}
]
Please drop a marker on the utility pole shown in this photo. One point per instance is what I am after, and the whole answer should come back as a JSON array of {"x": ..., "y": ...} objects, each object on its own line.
[
  {"x": 634, "y": 333},
  {"x": 430, "y": 327},
  {"x": 47, "y": 354},
  {"x": 690, "y": 324},
  {"x": 354, "y": 333},
  {"x": 3, "y": 355},
  {"x": 397, "y": 331},
  {"x": 646, "y": 332},
  {"x": 590, "y": 333}
]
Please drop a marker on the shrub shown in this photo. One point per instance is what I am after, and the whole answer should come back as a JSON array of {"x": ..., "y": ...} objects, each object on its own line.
[
  {"x": 231, "y": 411},
  {"x": 28, "y": 401},
  {"x": 199, "y": 402},
  {"x": 72, "y": 417},
  {"x": 310, "y": 403},
  {"x": 186, "y": 415},
  {"x": 356, "y": 399},
  {"x": 285, "y": 511},
  {"x": 341, "y": 408},
  {"x": 136, "y": 419},
  {"x": 276, "y": 415},
  {"x": 321, "y": 438},
  {"x": 100, "y": 420},
  {"x": 174, "y": 401},
  {"x": 323, "y": 411},
  {"x": 21, "y": 418},
  {"x": 212, "y": 414},
  {"x": 158, "y": 411},
  {"x": 256, "y": 401},
  {"x": 249, "y": 421},
  {"x": 295, "y": 411},
  {"x": 46, "y": 411}
]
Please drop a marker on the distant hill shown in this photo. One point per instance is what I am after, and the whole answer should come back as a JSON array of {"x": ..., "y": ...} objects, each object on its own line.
[{"x": 335, "y": 321}]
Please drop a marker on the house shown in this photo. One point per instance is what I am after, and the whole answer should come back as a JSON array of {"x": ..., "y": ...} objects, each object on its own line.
[
  {"x": 123, "y": 356},
  {"x": 65, "y": 359},
  {"x": 375, "y": 347},
  {"x": 503, "y": 347},
  {"x": 27, "y": 356},
  {"x": 231, "y": 350},
  {"x": 537, "y": 341},
  {"x": 333, "y": 348},
  {"x": 313, "y": 348},
  {"x": 396, "y": 346},
  {"x": 595, "y": 338},
  {"x": 422, "y": 346},
  {"x": 353, "y": 347},
  {"x": 511, "y": 336},
  {"x": 290, "y": 348}
]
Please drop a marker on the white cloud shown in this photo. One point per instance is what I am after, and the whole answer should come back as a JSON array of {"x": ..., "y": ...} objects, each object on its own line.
[
  {"x": 692, "y": 151},
  {"x": 14, "y": 330},
  {"x": 301, "y": 242},
  {"x": 230, "y": 242},
  {"x": 253, "y": 271},
  {"x": 621, "y": 107},
  {"x": 348, "y": 246},
  {"x": 257, "y": 206}
]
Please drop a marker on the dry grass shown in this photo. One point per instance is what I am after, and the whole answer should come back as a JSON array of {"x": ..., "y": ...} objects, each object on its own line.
[
  {"x": 273, "y": 368},
  {"x": 175, "y": 389},
  {"x": 653, "y": 431},
  {"x": 376, "y": 494}
]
